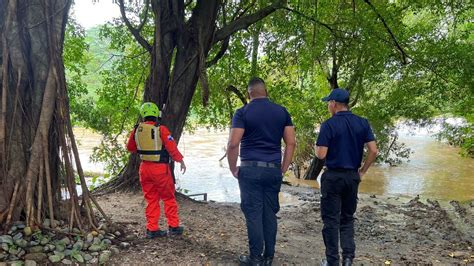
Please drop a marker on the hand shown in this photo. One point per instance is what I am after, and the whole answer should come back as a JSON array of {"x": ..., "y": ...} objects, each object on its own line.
[
  {"x": 235, "y": 172},
  {"x": 183, "y": 167},
  {"x": 362, "y": 172},
  {"x": 283, "y": 170}
]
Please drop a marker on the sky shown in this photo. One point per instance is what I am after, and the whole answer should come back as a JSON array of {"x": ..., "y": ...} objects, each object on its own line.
[{"x": 90, "y": 14}]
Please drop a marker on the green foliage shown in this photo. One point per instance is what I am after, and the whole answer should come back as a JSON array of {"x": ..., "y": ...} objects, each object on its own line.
[{"x": 415, "y": 66}]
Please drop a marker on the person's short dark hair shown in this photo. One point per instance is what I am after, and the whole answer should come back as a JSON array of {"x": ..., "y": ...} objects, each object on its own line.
[{"x": 256, "y": 81}]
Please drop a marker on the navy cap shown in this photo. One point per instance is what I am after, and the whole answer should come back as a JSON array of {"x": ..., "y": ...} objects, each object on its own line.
[{"x": 338, "y": 95}]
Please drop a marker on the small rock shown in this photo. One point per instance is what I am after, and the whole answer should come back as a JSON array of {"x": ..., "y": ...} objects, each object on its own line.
[
  {"x": 59, "y": 247},
  {"x": 102, "y": 232},
  {"x": 44, "y": 241},
  {"x": 18, "y": 236},
  {"x": 60, "y": 254},
  {"x": 88, "y": 257},
  {"x": 117, "y": 233},
  {"x": 78, "y": 257},
  {"x": 36, "y": 249},
  {"x": 460, "y": 254},
  {"x": 5, "y": 247},
  {"x": 100, "y": 236},
  {"x": 76, "y": 231},
  {"x": 103, "y": 227},
  {"x": 106, "y": 242},
  {"x": 15, "y": 263},
  {"x": 94, "y": 233},
  {"x": 21, "y": 243},
  {"x": 66, "y": 241},
  {"x": 78, "y": 245},
  {"x": 124, "y": 245},
  {"x": 13, "y": 228},
  {"x": 51, "y": 247},
  {"x": 110, "y": 236},
  {"x": 54, "y": 258},
  {"x": 38, "y": 257},
  {"x": 6, "y": 239},
  {"x": 114, "y": 250},
  {"x": 67, "y": 252},
  {"x": 21, "y": 252},
  {"x": 13, "y": 250},
  {"x": 94, "y": 261},
  {"x": 89, "y": 237},
  {"x": 66, "y": 262},
  {"x": 27, "y": 230},
  {"x": 95, "y": 247},
  {"x": 95, "y": 253},
  {"x": 105, "y": 256},
  {"x": 34, "y": 243},
  {"x": 30, "y": 263},
  {"x": 20, "y": 225},
  {"x": 96, "y": 241}
]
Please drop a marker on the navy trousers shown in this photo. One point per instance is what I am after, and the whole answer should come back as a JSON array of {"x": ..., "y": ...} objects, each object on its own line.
[
  {"x": 338, "y": 205},
  {"x": 259, "y": 188}
]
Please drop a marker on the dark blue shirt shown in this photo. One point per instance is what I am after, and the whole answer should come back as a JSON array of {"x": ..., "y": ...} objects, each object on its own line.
[
  {"x": 264, "y": 123},
  {"x": 345, "y": 135}
]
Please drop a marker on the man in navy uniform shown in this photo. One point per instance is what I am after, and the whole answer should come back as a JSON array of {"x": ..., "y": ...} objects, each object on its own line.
[
  {"x": 341, "y": 143},
  {"x": 258, "y": 129}
]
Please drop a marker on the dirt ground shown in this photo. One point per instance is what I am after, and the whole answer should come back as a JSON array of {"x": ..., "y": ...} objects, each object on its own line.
[{"x": 391, "y": 230}]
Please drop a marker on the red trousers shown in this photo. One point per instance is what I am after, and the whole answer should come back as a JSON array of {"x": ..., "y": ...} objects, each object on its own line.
[{"x": 157, "y": 184}]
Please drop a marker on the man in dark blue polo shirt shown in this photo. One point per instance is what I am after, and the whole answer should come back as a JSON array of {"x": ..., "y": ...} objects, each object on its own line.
[
  {"x": 258, "y": 128},
  {"x": 341, "y": 143}
]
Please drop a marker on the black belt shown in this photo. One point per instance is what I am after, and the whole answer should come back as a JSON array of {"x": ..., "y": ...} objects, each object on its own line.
[
  {"x": 260, "y": 164},
  {"x": 344, "y": 170}
]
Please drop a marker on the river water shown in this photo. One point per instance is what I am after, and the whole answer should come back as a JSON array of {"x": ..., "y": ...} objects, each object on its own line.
[{"x": 435, "y": 170}]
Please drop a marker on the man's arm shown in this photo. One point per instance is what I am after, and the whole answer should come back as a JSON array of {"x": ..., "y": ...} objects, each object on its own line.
[
  {"x": 321, "y": 152},
  {"x": 233, "y": 149},
  {"x": 131, "y": 144},
  {"x": 372, "y": 154},
  {"x": 290, "y": 140},
  {"x": 171, "y": 147}
]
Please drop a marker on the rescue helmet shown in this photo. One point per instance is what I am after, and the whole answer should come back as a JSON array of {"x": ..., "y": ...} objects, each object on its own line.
[{"x": 149, "y": 109}]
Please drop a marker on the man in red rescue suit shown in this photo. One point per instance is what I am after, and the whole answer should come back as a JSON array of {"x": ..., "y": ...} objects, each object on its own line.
[{"x": 155, "y": 145}]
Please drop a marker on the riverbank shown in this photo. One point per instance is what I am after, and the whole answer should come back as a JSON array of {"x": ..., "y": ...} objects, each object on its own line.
[{"x": 396, "y": 230}]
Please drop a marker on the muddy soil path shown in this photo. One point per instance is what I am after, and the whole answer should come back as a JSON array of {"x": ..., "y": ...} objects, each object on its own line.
[{"x": 388, "y": 229}]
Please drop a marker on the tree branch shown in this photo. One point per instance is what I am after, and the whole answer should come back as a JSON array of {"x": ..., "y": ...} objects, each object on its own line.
[
  {"x": 135, "y": 32},
  {"x": 399, "y": 47},
  {"x": 221, "y": 53},
  {"x": 333, "y": 31},
  {"x": 236, "y": 91},
  {"x": 246, "y": 21},
  {"x": 147, "y": 5}
]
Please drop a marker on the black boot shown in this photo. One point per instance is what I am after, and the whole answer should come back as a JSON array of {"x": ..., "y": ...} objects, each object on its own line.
[
  {"x": 347, "y": 262},
  {"x": 154, "y": 234},
  {"x": 267, "y": 261},
  {"x": 245, "y": 260},
  {"x": 176, "y": 231}
]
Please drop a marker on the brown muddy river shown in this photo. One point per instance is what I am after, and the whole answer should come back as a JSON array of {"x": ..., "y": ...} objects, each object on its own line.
[{"x": 435, "y": 169}]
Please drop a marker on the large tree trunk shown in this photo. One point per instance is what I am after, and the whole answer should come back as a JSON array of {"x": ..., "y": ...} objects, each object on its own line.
[
  {"x": 35, "y": 132},
  {"x": 179, "y": 56}
]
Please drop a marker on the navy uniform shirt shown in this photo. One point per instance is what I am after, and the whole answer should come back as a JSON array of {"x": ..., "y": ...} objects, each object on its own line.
[
  {"x": 345, "y": 135},
  {"x": 264, "y": 123}
]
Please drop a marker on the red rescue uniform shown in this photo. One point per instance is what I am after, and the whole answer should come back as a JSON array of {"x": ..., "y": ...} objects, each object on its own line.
[{"x": 157, "y": 181}]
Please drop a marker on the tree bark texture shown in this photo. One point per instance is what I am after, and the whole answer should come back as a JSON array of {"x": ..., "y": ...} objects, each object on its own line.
[{"x": 36, "y": 140}]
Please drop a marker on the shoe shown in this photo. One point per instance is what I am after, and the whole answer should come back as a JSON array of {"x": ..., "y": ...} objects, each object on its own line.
[
  {"x": 347, "y": 262},
  {"x": 154, "y": 234},
  {"x": 245, "y": 260},
  {"x": 267, "y": 261},
  {"x": 176, "y": 231}
]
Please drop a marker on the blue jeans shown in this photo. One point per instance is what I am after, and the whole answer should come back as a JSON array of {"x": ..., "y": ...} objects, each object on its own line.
[
  {"x": 338, "y": 205},
  {"x": 259, "y": 188}
]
